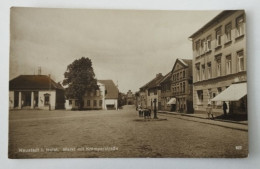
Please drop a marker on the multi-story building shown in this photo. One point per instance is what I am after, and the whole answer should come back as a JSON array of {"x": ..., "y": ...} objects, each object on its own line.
[
  {"x": 151, "y": 92},
  {"x": 166, "y": 92},
  {"x": 142, "y": 97},
  {"x": 181, "y": 77},
  {"x": 154, "y": 92},
  {"x": 219, "y": 61},
  {"x": 106, "y": 97}
]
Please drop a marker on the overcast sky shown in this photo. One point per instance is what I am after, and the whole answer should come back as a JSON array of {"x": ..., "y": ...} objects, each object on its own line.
[{"x": 127, "y": 46}]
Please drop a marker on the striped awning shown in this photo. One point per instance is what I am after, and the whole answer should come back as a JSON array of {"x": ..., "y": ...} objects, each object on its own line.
[
  {"x": 233, "y": 93},
  {"x": 172, "y": 101}
]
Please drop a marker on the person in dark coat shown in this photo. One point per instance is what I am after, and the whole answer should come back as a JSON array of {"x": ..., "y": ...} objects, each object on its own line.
[{"x": 225, "y": 108}]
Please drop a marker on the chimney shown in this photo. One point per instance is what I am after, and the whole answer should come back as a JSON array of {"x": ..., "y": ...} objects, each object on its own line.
[
  {"x": 159, "y": 74},
  {"x": 39, "y": 71}
]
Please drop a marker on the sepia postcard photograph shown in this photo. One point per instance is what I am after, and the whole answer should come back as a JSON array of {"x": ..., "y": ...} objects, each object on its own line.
[{"x": 107, "y": 83}]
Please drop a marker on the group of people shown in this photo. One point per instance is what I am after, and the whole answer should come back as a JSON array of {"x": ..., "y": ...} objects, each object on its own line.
[
  {"x": 146, "y": 113},
  {"x": 210, "y": 112}
]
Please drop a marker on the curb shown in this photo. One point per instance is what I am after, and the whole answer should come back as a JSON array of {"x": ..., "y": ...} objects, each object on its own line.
[
  {"x": 208, "y": 123},
  {"x": 227, "y": 121}
]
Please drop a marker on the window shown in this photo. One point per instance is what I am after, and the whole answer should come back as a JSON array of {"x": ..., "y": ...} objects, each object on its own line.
[
  {"x": 97, "y": 93},
  {"x": 218, "y": 36},
  {"x": 168, "y": 86},
  {"x": 180, "y": 75},
  {"x": 100, "y": 103},
  {"x": 177, "y": 76},
  {"x": 208, "y": 47},
  {"x": 202, "y": 72},
  {"x": 228, "y": 29},
  {"x": 228, "y": 64},
  {"x": 200, "y": 97},
  {"x": 46, "y": 99},
  {"x": 155, "y": 92},
  {"x": 203, "y": 46},
  {"x": 209, "y": 70},
  {"x": 197, "y": 48},
  {"x": 183, "y": 84},
  {"x": 198, "y": 72},
  {"x": 88, "y": 103},
  {"x": 95, "y": 103},
  {"x": 70, "y": 102},
  {"x": 240, "y": 57},
  {"x": 240, "y": 25},
  {"x": 183, "y": 74},
  {"x": 180, "y": 87},
  {"x": 218, "y": 67}
]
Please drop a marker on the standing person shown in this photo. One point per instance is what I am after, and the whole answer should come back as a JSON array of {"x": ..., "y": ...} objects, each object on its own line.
[
  {"x": 225, "y": 108},
  {"x": 209, "y": 111}
]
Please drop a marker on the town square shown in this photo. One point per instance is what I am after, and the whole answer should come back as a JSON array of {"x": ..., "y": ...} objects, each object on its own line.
[
  {"x": 106, "y": 87},
  {"x": 123, "y": 129}
]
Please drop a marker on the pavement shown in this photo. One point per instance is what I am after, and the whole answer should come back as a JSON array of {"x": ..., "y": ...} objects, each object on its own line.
[
  {"x": 239, "y": 125},
  {"x": 121, "y": 133}
]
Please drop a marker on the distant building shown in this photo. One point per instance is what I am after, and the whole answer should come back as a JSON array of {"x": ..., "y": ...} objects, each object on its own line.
[
  {"x": 181, "y": 78},
  {"x": 105, "y": 98},
  {"x": 219, "y": 63},
  {"x": 35, "y": 92},
  {"x": 130, "y": 98}
]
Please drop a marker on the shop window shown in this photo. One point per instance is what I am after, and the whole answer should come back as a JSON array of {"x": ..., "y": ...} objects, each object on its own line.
[{"x": 200, "y": 97}]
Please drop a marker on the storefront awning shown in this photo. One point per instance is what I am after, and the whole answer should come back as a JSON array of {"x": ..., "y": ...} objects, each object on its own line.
[
  {"x": 172, "y": 101},
  {"x": 233, "y": 93}
]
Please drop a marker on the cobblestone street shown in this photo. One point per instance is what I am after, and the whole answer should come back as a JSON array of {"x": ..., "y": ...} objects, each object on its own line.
[{"x": 60, "y": 133}]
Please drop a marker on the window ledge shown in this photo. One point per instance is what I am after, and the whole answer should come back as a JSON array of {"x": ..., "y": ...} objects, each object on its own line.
[
  {"x": 218, "y": 47},
  {"x": 240, "y": 37},
  {"x": 209, "y": 51},
  {"x": 203, "y": 54},
  {"x": 228, "y": 43}
]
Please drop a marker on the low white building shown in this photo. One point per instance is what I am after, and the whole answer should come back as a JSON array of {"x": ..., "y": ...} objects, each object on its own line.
[{"x": 35, "y": 92}]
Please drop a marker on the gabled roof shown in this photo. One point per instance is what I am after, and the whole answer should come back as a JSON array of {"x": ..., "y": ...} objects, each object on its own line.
[
  {"x": 184, "y": 62},
  {"x": 33, "y": 82},
  {"x": 154, "y": 82},
  {"x": 166, "y": 78},
  {"x": 111, "y": 89}
]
